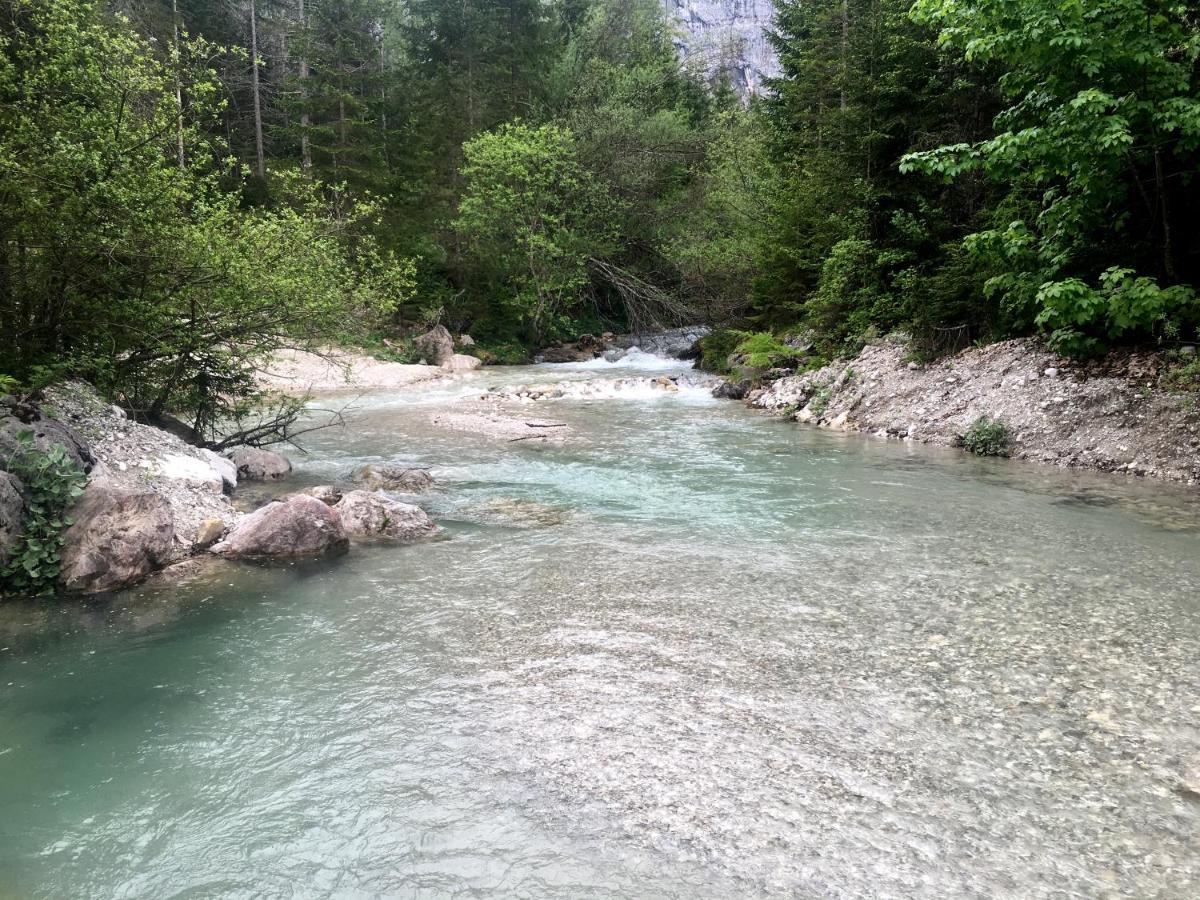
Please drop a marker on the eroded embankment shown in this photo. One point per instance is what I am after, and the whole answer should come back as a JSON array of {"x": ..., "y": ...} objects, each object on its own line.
[{"x": 1112, "y": 416}]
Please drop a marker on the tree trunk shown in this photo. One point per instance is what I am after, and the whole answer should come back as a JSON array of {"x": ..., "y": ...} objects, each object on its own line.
[
  {"x": 260, "y": 166},
  {"x": 383, "y": 97},
  {"x": 845, "y": 51},
  {"x": 305, "y": 121},
  {"x": 179, "y": 150}
]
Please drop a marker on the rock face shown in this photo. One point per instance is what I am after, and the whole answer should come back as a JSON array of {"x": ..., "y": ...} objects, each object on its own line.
[
  {"x": 394, "y": 478},
  {"x": 678, "y": 342},
  {"x": 436, "y": 345},
  {"x": 12, "y": 513},
  {"x": 120, "y": 536},
  {"x": 298, "y": 526},
  {"x": 254, "y": 464},
  {"x": 46, "y": 433},
  {"x": 726, "y": 37},
  {"x": 367, "y": 514}
]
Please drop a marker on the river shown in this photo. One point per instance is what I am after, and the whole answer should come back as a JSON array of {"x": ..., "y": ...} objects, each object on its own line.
[{"x": 691, "y": 652}]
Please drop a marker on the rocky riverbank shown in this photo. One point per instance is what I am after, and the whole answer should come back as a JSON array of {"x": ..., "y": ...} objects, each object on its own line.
[
  {"x": 1112, "y": 415},
  {"x": 153, "y": 501}
]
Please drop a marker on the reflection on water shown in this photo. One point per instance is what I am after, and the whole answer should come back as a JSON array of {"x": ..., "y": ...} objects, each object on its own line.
[{"x": 694, "y": 653}]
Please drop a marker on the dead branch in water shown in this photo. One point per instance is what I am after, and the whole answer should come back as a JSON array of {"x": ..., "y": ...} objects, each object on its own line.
[{"x": 647, "y": 306}]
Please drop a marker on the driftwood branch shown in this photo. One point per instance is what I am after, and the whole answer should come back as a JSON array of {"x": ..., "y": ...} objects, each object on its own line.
[{"x": 647, "y": 306}]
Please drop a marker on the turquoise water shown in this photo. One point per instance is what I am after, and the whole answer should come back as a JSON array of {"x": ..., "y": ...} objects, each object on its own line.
[{"x": 693, "y": 652}]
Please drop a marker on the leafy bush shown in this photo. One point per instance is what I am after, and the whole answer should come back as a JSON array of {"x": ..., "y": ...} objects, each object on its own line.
[
  {"x": 52, "y": 481},
  {"x": 532, "y": 217},
  {"x": 716, "y": 348},
  {"x": 987, "y": 437},
  {"x": 501, "y": 353},
  {"x": 1184, "y": 375},
  {"x": 765, "y": 351}
]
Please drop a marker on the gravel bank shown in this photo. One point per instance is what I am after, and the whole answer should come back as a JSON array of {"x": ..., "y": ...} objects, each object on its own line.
[{"x": 1111, "y": 415}]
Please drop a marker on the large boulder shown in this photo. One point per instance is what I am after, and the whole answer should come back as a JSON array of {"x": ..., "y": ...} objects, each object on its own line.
[
  {"x": 731, "y": 390},
  {"x": 119, "y": 536},
  {"x": 566, "y": 353},
  {"x": 254, "y": 464},
  {"x": 436, "y": 345},
  {"x": 12, "y": 513},
  {"x": 367, "y": 514},
  {"x": 192, "y": 471},
  {"x": 15, "y": 419},
  {"x": 402, "y": 479},
  {"x": 460, "y": 362},
  {"x": 225, "y": 467},
  {"x": 298, "y": 526}
]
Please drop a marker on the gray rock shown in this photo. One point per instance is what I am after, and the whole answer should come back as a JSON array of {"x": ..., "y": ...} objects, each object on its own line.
[
  {"x": 254, "y": 464},
  {"x": 460, "y": 362},
  {"x": 46, "y": 433},
  {"x": 225, "y": 467},
  {"x": 725, "y": 37},
  {"x": 731, "y": 390},
  {"x": 567, "y": 353},
  {"x": 465, "y": 340},
  {"x": 119, "y": 536},
  {"x": 297, "y": 526},
  {"x": 327, "y": 494},
  {"x": 367, "y": 514},
  {"x": 677, "y": 342},
  {"x": 12, "y": 513},
  {"x": 402, "y": 479},
  {"x": 436, "y": 345},
  {"x": 209, "y": 532}
]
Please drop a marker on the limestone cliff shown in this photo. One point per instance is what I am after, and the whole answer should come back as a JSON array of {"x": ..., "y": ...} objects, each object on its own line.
[{"x": 726, "y": 36}]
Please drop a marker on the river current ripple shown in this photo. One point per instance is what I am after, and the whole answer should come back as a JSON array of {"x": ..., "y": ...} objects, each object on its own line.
[{"x": 692, "y": 652}]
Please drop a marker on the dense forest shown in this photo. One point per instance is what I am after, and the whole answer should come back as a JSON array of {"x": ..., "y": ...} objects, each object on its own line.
[{"x": 186, "y": 185}]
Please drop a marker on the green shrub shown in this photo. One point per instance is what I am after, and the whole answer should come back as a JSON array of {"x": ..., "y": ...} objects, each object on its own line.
[
  {"x": 53, "y": 481},
  {"x": 765, "y": 351},
  {"x": 987, "y": 437},
  {"x": 501, "y": 353},
  {"x": 1184, "y": 375},
  {"x": 716, "y": 348}
]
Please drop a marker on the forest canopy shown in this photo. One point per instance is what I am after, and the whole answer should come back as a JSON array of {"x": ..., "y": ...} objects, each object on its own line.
[{"x": 187, "y": 185}]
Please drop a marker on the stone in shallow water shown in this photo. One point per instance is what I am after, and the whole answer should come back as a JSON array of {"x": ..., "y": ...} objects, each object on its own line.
[
  {"x": 254, "y": 464},
  {"x": 367, "y": 514},
  {"x": 523, "y": 513},
  {"x": 298, "y": 526},
  {"x": 404, "y": 479}
]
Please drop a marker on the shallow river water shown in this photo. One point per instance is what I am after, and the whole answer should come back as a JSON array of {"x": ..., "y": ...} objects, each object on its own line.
[{"x": 693, "y": 652}]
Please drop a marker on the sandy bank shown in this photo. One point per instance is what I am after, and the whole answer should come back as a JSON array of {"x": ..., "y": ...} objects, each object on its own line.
[{"x": 337, "y": 370}]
